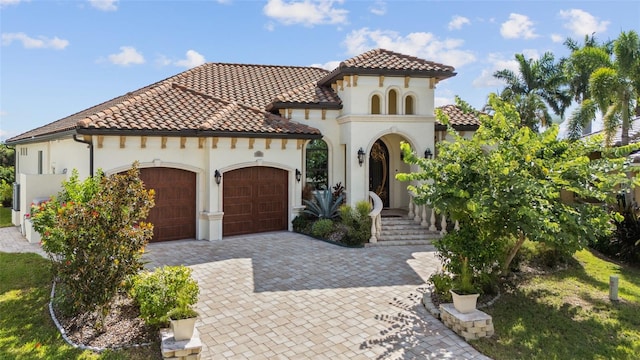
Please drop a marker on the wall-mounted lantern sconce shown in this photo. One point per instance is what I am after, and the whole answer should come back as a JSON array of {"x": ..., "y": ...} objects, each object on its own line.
[
  {"x": 218, "y": 177},
  {"x": 428, "y": 154},
  {"x": 361, "y": 155},
  {"x": 298, "y": 175}
]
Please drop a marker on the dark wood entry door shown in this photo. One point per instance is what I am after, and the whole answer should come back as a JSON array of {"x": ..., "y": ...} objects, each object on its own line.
[
  {"x": 254, "y": 200},
  {"x": 379, "y": 171},
  {"x": 174, "y": 215}
]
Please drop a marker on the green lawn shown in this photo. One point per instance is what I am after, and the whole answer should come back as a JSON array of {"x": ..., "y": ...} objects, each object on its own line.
[
  {"x": 26, "y": 329},
  {"x": 568, "y": 315},
  {"x": 5, "y": 217}
]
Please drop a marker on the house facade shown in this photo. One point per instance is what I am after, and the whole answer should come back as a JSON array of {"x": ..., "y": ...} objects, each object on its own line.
[{"x": 229, "y": 148}]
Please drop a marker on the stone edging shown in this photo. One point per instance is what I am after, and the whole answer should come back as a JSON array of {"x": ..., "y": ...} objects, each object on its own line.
[
  {"x": 82, "y": 346},
  {"x": 433, "y": 310}
]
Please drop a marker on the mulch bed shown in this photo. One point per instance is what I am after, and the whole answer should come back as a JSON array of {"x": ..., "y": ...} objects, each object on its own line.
[{"x": 122, "y": 327}]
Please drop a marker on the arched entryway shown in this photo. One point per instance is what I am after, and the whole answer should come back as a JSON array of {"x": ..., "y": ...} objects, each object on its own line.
[
  {"x": 254, "y": 200},
  {"x": 379, "y": 171},
  {"x": 385, "y": 162}
]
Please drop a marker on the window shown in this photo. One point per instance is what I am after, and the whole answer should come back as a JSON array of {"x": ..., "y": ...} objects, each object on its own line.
[
  {"x": 393, "y": 102},
  {"x": 317, "y": 164},
  {"x": 408, "y": 105},
  {"x": 375, "y": 105},
  {"x": 40, "y": 162}
]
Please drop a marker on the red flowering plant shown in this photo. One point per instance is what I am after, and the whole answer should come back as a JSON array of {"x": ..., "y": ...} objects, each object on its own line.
[{"x": 96, "y": 238}]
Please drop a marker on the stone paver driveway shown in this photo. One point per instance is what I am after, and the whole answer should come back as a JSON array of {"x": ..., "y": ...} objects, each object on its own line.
[{"x": 287, "y": 296}]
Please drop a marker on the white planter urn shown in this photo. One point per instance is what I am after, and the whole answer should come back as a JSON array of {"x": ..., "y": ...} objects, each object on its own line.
[
  {"x": 464, "y": 303},
  {"x": 183, "y": 329}
]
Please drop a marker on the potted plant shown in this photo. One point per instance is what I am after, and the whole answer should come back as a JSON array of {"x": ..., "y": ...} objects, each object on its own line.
[
  {"x": 183, "y": 317},
  {"x": 464, "y": 293}
]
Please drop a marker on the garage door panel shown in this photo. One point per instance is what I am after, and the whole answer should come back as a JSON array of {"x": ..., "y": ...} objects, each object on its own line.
[
  {"x": 174, "y": 215},
  {"x": 255, "y": 200}
]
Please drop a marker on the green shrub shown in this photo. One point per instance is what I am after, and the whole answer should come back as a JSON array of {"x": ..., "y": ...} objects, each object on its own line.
[
  {"x": 323, "y": 206},
  {"x": 160, "y": 291},
  {"x": 301, "y": 224},
  {"x": 6, "y": 193},
  {"x": 358, "y": 222},
  {"x": 442, "y": 283},
  {"x": 322, "y": 228},
  {"x": 95, "y": 239}
]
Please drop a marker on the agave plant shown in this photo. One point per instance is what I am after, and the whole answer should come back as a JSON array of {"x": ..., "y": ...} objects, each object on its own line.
[{"x": 323, "y": 206}]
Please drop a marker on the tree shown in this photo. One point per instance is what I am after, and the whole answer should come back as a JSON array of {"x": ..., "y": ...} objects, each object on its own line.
[
  {"x": 7, "y": 174},
  {"x": 614, "y": 88},
  {"x": 94, "y": 234},
  {"x": 504, "y": 186},
  {"x": 538, "y": 84},
  {"x": 578, "y": 67}
]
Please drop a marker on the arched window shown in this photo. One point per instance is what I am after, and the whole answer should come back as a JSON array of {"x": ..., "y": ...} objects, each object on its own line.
[
  {"x": 393, "y": 102},
  {"x": 375, "y": 105},
  {"x": 317, "y": 164},
  {"x": 408, "y": 105}
]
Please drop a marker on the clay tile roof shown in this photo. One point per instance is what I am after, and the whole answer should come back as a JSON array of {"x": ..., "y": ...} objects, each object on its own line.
[
  {"x": 307, "y": 95},
  {"x": 458, "y": 118},
  {"x": 162, "y": 107},
  {"x": 174, "y": 108},
  {"x": 616, "y": 140},
  {"x": 385, "y": 62},
  {"x": 252, "y": 85}
]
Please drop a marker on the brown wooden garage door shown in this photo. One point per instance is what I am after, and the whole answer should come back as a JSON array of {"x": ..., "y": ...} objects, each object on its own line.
[
  {"x": 174, "y": 216},
  {"x": 254, "y": 200}
]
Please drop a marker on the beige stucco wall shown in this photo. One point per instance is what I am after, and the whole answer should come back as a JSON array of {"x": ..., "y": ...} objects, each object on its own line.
[{"x": 345, "y": 130}]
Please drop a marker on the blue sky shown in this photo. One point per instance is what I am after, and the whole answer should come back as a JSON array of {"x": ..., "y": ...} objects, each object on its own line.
[{"x": 60, "y": 57}]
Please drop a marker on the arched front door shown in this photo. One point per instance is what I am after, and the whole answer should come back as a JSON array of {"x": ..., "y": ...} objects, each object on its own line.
[{"x": 379, "y": 171}]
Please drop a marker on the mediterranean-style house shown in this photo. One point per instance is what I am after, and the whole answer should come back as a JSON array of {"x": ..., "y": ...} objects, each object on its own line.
[{"x": 229, "y": 147}]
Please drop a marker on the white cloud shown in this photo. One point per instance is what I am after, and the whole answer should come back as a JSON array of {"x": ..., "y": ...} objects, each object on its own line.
[
  {"x": 11, "y": 2},
  {"x": 378, "y": 8},
  {"x": 497, "y": 62},
  {"x": 582, "y": 23},
  {"x": 307, "y": 12},
  {"x": 329, "y": 65},
  {"x": 457, "y": 22},
  {"x": 518, "y": 27},
  {"x": 193, "y": 59},
  {"x": 441, "y": 101},
  {"x": 41, "y": 42},
  {"x": 104, "y": 5},
  {"x": 421, "y": 44},
  {"x": 556, "y": 38},
  {"x": 128, "y": 55}
]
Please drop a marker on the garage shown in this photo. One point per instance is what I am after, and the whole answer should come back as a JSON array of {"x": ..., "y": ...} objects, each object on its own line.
[
  {"x": 254, "y": 200},
  {"x": 174, "y": 215}
]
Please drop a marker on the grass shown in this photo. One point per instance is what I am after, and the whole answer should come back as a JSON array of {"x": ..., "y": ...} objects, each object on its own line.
[
  {"x": 26, "y": 329},
  {"x": 5, "y": 217},
  {"x": 568, "y": 315}
]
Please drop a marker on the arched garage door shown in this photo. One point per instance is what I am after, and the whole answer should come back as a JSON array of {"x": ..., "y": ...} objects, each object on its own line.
[
  {"x": 174, "y": 215},
  {"x": 254, "y": 200}
]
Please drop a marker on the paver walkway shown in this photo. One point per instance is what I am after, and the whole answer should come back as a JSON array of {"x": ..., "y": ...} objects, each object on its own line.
[{"x": 286, "y": 296}]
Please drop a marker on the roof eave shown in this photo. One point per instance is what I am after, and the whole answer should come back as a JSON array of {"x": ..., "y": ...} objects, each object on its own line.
[
  {"x": 42, "y": 138},
  {"x": 440, "y": 127},
  {"x": 341, "y": 72},
  {"x": 298, "y": 105},
  {"x": 195, "y": 133}
]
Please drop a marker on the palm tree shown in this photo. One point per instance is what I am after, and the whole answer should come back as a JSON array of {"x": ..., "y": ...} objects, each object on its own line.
[
  {"x": 537, "y": 86},
  {"x": 578, "y": 67},
  {"x": 614, "y": 89}
]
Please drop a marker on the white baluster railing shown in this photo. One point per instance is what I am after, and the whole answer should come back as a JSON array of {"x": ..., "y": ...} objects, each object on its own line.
[{"x": 376, "y": 217}]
